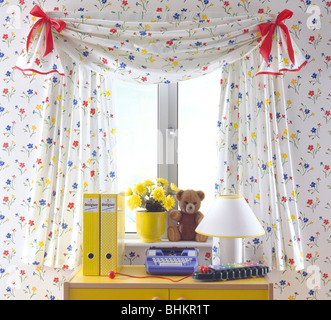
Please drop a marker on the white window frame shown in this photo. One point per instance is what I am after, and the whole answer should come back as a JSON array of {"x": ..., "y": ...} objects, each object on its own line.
[{"x": 168, "y": 132}]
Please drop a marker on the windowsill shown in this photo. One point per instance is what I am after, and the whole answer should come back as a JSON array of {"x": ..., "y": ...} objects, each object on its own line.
[{"x": 165, "y": 243}]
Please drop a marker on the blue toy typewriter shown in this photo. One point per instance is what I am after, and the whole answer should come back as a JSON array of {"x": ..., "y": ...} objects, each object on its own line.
[{"x": 171, "y": 261}]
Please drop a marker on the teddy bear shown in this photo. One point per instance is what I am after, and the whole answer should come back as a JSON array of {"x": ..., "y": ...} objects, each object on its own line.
[{"x": 187, "y": 218}]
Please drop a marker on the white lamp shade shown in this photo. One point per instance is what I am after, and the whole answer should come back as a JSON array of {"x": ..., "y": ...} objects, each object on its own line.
[{"x": 230, "y": 216}]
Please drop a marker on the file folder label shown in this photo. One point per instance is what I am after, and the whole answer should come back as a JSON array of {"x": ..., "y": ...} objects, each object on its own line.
[{"x": 91, "y": 204}]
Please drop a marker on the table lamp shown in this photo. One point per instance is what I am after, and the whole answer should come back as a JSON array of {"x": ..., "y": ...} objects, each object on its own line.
[{"x": 229, "y": 219}]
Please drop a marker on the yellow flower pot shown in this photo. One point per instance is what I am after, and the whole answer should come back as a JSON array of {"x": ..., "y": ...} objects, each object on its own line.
[{"x": 150, "y": 225}]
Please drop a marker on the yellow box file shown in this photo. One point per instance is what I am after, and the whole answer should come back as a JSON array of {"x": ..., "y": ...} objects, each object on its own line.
[
  {"x": 111, "y": 233},
  {"x": 91, "y": 234}
]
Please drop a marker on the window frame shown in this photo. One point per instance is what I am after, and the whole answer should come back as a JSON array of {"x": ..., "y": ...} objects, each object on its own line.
[{"x": 168, "y": 132}]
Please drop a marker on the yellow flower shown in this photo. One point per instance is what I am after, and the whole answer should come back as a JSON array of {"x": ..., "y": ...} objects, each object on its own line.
[
  {"x": 258, "y": 196},
  {"x": 128, "y": 192},
  {"x": 140, "y": 188},
  {"x": 85, "y": 184},
  {"x": 284, "y": 155},
  {"x": 235, "y": 125},
  {"x": 173, "y": 187},
  {"x": 158, "y": 193},
  {"x": 108, "y": 93},
  {"x": 168, "y": 202},
  {"x": 41, "y": 243},
  {"x": 162, "y": 182},
  {"x": 286, "y": 132},
  {"x": 253, "y": 134},
  {"x": 134, "y": 202},
  {"x": 34, "y": 289},
  {"x": 149, "y": 183},
  {"x": 266, "y": 101}
]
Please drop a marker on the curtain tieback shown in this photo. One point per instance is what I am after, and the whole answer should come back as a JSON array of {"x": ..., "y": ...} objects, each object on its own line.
[
  {"x": 44, "y": 18},
  {"x": 269, "y": 29}
]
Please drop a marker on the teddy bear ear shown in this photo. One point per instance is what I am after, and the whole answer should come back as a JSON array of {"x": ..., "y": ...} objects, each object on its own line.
[
  {"x": 179, "y": 194},
  {"x": 201, "y": 194}
]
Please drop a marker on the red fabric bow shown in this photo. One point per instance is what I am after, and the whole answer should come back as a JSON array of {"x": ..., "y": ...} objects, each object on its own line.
[
  {"x": 57, "y": 23},
  {"x": 269, "y": 29}
]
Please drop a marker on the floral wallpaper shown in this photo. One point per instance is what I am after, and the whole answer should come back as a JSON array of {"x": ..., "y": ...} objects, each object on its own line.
[{"x": 309, "y": 118}]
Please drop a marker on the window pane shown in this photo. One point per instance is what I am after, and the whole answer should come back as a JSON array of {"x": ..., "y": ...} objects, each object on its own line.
[
  {"x": 136, "y": 123},
  {"x": 198, "y": 106}
]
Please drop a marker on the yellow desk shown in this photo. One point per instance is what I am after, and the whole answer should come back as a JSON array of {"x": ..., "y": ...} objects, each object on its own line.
[{"x": 81, "y": 287}]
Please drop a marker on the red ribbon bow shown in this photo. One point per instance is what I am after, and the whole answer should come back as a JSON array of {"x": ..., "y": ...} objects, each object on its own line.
[
  {"x": 269, "y": 29},
  {"x": 56, "y": 23}
]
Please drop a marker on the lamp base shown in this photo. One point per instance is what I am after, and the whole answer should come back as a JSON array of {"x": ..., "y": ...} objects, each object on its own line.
[{"x": 227, "y": 250}]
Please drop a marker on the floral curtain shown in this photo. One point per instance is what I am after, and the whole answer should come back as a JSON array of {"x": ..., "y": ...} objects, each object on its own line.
[
  {"x": 80, "y": 53},
  {"x": 254, "y": 159},
  {"x": 158, "y": 48},
  {"x": 75, "y": 155}
]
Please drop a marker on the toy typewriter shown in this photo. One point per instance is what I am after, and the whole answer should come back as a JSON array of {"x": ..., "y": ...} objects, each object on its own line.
[
  {"x": 230, "y": 271},
  {"x": 171, "y": 261}
]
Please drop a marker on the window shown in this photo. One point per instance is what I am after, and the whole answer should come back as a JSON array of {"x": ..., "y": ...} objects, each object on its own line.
[
  {"x": 136, "y": 126},
  {"x": 167, "y": 131},
  {"x": 198, "y": 102}
]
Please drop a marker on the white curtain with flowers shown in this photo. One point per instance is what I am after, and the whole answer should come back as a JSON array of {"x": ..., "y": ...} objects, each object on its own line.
[
  {"x": 77, "y": 148},
  {"x": 254, "y": 160},
  {"x": 75, "y": 155}
]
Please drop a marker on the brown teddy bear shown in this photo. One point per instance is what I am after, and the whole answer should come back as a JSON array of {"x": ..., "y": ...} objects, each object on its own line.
[{"x": 187, "y": 218}]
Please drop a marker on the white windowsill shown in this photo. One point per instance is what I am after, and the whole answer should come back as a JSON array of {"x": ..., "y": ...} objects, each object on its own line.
[{"x": 132, "y": 242}]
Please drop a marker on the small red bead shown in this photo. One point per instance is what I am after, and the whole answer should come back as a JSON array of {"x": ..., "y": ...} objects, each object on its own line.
[{"x": 111, "y": 274}]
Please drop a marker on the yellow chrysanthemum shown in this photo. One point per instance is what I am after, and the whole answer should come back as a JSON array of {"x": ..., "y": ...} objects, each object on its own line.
[
  {"x": 162, "y": 182},
  {"x": 168, "y": 202},
  {"x": 173, "y": 187},
  {"x": 128, "y": 192},
  {"x": 140, "y": 188},
  {"x": 134, "y": 202},
  {"x": 149, "y": 183},
  {"x": 158, "y": 193}
]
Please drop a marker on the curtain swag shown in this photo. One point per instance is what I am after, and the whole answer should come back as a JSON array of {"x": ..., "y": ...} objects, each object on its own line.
[
  {"x": 159, "y": 48},
  {"x": 77, "y": 149}
]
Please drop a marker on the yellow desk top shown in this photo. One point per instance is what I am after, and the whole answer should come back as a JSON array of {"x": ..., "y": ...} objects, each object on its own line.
[{"x": 121, "y": 281}]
